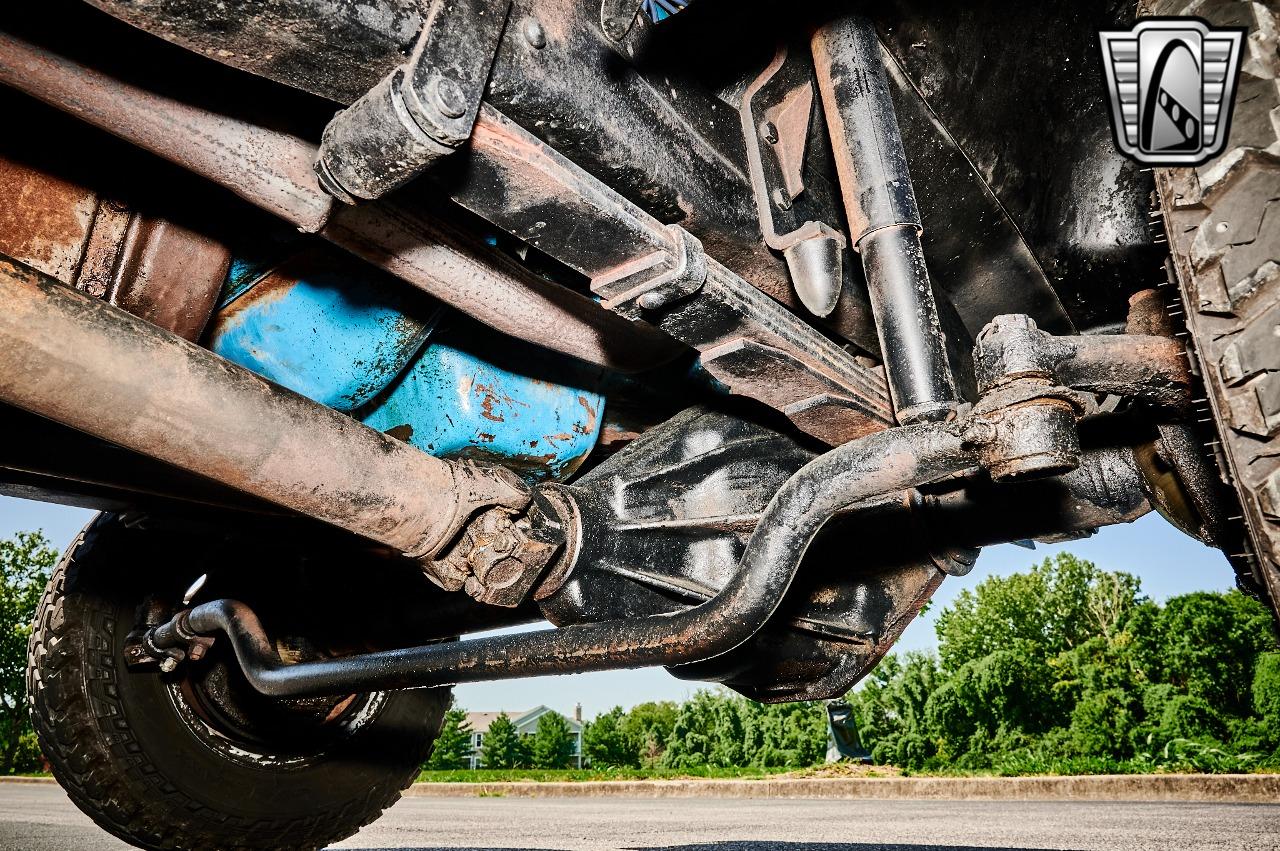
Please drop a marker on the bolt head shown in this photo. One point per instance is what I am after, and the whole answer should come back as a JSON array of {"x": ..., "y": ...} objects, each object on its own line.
[
  {"x": 652, "y": 300},
  {"x": 780, "y": 199},
  {"x": 450, "y": 98},
  {"x": 533, "y": 33},
  {"x": 769, "y": 132},
  {"x": 169, "y": 665}
]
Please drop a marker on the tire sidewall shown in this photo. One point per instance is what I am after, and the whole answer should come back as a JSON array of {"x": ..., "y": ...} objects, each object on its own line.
[{"x": 171, "y": 780}]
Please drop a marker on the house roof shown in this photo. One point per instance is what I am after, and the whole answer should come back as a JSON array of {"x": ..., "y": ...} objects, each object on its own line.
[
  {"x": 534, "y": 714},
  {"x": 480, "y": 721}
]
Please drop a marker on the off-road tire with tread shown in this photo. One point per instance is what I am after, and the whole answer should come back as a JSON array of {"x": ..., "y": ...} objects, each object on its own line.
[
  {"x": 1223, "y": 226},
  {"x": 126, "y": 757}
]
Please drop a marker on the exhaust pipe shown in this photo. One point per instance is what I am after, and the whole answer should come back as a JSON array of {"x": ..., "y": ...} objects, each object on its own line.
[{"x": 78, "y": 361}]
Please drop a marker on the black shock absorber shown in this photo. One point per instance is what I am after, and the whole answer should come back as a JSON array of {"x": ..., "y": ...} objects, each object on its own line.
[{"x": 884, "y": 221}]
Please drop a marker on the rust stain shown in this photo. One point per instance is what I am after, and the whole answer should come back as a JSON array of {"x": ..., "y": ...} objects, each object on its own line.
[
  {"x": 520, "y": 462},
  {"x": 272, "y": 287},
  {"x": 588, "y": 425},
  {"x": 553, "y": 438},
  {"x": 488, "y": 401},
  {"x": 401, "y": 432},
  {"x": 44, "y": 220},
  {"x": 613, "y": 435},
  {"x": 493, "y": 400},
  {"x": 825, "y": 597}
]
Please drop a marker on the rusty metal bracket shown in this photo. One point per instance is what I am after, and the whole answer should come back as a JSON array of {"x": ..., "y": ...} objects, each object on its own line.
[
  {"x": 421, "y": 111},
  {"x": 776, "y": 111}
]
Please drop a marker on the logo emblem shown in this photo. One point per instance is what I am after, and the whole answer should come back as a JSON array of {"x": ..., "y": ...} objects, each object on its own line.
[{"x": 1172, "y": 82}]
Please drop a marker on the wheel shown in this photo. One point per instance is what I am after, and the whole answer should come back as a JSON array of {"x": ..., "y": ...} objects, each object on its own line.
[
  {"x": 196, "y": 760},
  {"x": 1223, "y": 222}
]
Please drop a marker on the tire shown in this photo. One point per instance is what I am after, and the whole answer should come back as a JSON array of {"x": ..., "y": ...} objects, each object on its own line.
[
  {"x": 130, "y": 752},
  {"x": 1223, "y": 223}
]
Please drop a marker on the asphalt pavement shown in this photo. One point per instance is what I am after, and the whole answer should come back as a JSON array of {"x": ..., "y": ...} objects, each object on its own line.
[{"x": 39, "y": 817}]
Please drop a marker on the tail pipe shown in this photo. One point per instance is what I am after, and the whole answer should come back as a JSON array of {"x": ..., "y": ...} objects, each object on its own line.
[
  {"x": 882, "y": 463},
  {"x": 884, "y": 221},
  {"x": 78, "y": 361}
]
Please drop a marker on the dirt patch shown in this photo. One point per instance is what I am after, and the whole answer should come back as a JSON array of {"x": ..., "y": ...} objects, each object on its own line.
[{"x": 847, "y": 769}]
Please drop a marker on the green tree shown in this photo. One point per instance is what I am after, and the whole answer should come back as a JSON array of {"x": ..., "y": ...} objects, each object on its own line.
[
  {"x": 1207, "y": 644},
  {"x": 708, "y": 730},
  {"x": 608, "y": 743},
  {"x": 503, "y": 745},
  {"x": 1067, "y": 667},
  {"x": 990, "y": 704},
  {"x": 1050, "y": 609},
  {"x": 552, "y": 742},
  {"x": 718, "y": 729},
  {"x": 890, "y": 709},
  {"x": 26, "y": 560},
  {"x": 452, "y": 748},
  {"x": 1266, "y": 691},
  {"x": 651, "y": 724},
  {"x": 692, "y": 737},
  {"x": 783, "y": 735}
]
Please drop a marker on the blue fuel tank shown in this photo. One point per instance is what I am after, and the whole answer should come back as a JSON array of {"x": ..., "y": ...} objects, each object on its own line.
[{"x": 351, "y": 338}]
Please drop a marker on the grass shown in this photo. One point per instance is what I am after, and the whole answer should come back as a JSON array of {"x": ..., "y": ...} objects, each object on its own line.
[
  {"x": 837, "y": 770},
  {"x": 546, "y": 775}
]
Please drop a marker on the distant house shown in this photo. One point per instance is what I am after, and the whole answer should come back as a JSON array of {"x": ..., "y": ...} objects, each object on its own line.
[{"x": 526, "y": 725}]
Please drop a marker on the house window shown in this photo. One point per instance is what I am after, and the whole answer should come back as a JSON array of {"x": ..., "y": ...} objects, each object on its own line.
[{"x": 479, "y": 739}]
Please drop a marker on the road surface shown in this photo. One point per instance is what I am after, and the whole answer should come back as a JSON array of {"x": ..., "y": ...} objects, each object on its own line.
[{"x": 40, "y": 818}]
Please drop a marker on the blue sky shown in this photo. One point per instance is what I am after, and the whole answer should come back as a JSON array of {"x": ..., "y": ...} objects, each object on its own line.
[{"x": 1168, "y": 563}]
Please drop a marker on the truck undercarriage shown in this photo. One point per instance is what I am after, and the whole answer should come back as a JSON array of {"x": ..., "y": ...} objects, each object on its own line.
[{"x": 716, "y": 339}]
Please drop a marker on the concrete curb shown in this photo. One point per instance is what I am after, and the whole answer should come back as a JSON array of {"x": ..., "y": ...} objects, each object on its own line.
[
  {"x": 1223, "y": 788},
  {"x": 1203, "y": 788}
]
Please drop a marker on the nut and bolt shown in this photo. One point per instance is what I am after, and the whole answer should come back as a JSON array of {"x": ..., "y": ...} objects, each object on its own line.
[
  {"x": 769, "y": 132},
  {"x": 781, "y": 200},
  {"x": 533, "y": 33},
  {"x": 450, "y": 98},
  {"x": 169, "y": 664}
]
